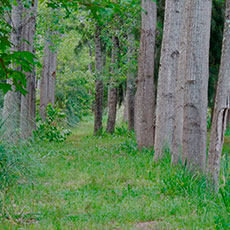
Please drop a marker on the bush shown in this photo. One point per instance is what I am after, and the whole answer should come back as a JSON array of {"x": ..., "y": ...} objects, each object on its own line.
[{"x": 50, "y": 130}]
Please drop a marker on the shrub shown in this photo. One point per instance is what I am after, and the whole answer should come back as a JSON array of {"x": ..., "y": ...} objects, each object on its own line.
[{"x": 51, "y": 130}]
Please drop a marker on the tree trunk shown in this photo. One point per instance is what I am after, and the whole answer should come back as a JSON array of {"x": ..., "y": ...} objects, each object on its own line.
[
  {"x": 166, "y": 91},
  {"x": 91, "y": 58},
  {"x": 113, "y": 90},
  {"x": 196, "y": 74},
  {"x": 99, "y": 88},
  {"x": 48, "y": 78},
  {"x": 27, "y": 118},
  {"x": 144, "y": 98},
  {"x": 222, "y": 104},
  {"x": 12, "y": 100},
  {"x": 130, "y": 90}
]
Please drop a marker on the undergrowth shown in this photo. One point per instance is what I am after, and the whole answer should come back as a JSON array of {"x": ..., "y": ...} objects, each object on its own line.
[{"x": 105, "y": 182}]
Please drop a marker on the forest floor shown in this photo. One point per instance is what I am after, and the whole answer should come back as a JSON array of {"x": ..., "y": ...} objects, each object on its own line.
[{"x": 107, "y": 183}]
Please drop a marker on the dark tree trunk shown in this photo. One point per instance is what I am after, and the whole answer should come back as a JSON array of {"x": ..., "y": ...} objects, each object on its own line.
[
  {"x": 113, "y": 90},
  {"x": 130, "y": 90},
  {"x": 99, "y": 87}
]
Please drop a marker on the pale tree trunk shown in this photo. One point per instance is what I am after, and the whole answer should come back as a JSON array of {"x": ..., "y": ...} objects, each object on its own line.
[
  {"x": 222, "y": 105},
  {"x": 130, "y": 90},
  {"x": 99, "y": 87},
  {"x": 113, "y": 90},
  {"x": 11, "y": 108},
  {"x": 144, "y": 98},
  {"x": 196, "y": 74},
  {"x": 27, "y": 116},
  {"x": 166, "y": 90},
  {"x": 48, "y": 78}
]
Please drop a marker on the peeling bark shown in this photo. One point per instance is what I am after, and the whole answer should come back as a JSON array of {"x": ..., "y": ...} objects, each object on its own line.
[{"x": 222, "y": 105}]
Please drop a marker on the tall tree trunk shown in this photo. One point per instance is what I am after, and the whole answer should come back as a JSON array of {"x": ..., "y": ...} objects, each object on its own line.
[
  {"x": 99, "y": 87},
  {"x": 48, "y": 78},
  {"x": 196, "y": 74},
  {"x": 144, "y": 98},
  {"x": 113, "y": 90},
  {"x": 27, "y": 118},
  {"x": 90, "y": 57},
  {"x": 130, "y": 89},
  {"x": 166, "y": 90},
  {"x": 12, "y": 100},
  {"x": 222, "y": 104}
]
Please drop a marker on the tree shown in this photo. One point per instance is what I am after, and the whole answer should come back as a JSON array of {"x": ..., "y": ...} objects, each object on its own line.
[
  {"x": 99, "y": 87},
  {"x": 11, "y": 108},
  {"x": 222, "y": 105},
  {"x": 194, "y": 64},
  {"x": 48, "y": 78},
  {"x": 23, "y": 26},
  {"x": 166, "y": 91},
  {"x": 113, "y": 90},
  {"x": 130, "y": 89},
  {"x": 28, "y": 107},
  {"x": 144, "y": 98}
]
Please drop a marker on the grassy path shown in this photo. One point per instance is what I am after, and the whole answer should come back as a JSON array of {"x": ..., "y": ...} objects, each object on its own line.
[{"x": 106, "y": 183}]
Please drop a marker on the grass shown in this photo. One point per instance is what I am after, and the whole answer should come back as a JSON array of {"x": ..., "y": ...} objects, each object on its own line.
[{"x": 107, "y": 183}]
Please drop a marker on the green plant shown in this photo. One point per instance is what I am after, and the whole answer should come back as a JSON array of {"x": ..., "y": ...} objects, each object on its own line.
[{"x": 50, "y": 130}]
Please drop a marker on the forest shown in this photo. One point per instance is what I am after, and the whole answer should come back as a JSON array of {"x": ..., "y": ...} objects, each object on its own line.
[{"x": 115, "y": 114}]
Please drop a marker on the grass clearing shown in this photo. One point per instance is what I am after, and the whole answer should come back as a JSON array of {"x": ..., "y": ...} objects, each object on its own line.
[{"x": 107, "y": 183}]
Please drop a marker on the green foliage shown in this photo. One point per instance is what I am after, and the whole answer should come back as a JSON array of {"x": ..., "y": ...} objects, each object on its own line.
[
  {"x": 13, "y": 64},
  {"x": 50, "y": 130}
]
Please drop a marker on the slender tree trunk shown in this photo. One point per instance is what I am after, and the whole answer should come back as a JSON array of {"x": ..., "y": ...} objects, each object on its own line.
[
  {"x": 48, "y": 78},
  {"x": 144, "y": 98},
  {"x": 196, "y": 74},
  {"x": 166, "y": 91},
  {"x": 91, "y": 58},
  {"x": 125, "y": 115},
  {"x": 222, "y": 105},
  {"x": 130, "y": 90},
  {"x": 27, "y": 118},
  {"x": 99, "y": 88},
  {"x": 113, "y": 90}
]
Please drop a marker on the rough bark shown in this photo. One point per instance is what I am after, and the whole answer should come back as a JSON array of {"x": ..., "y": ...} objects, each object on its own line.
[
  {"x": 48, "y": 78},
  {"x": 130, "y": 90},
  {"x": 11, "y": 108},
  {"x": 113, "y": 90},
  {"x": 166, "y": 90},
  {"x": 144, "y": 98},
  {"x": 222, "y": 104},
  {"x": 196, "y": 73},
  {"x": 99, "y": 87},
  {"x": 27, "y": 115}
]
